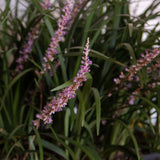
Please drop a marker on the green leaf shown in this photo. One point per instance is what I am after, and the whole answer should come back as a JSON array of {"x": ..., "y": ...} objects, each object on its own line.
[
  {"x": 15, "y": 104},
  {"x": 1, "y": 121},
  {"x": 64, "y": 144},
  {"x": 14, "y": 81},
  {"x": 133, "y": 138},
  {"x": 66, "y": 126},
  {"x": 150, "y": 103},
  {"x": 7, "y": 90},
  {"x": 36, "y": 64},
  {"x": 66, "y": 121},
  {"x": 64, "y": 85},
  {"x": 130, "y": 28},
  {"x": 49, "y": 26},
  {"x": 11, "y": 135},
  {"x": 81, "y": 112},
  {"x": 90, "y": 152},
  {"x": 17, "y": 144},
  {"x": 50, "y": 146},
  {"x": 116, "y": 23},
  {"x": 88, "y": 128},
  {"x": 39, "y": 141},
  {"x": 98, "y": 108}
]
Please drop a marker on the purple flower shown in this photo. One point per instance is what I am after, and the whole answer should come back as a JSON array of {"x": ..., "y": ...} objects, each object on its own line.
[
  {"x": 28, "y": 45},
  {"x": 26, "y": 49},
  {"x": 46, "y": 4},
  {"x": 116, "y": 80},
  {"x": 61, "y": 31},
  {"x": 57, "y": 103},
  {"x": 77, "y": 8},
  {"x": 63, "y": 26},
  {"x": 131, "y": 101},
  {"x": 133, "y": 69}
]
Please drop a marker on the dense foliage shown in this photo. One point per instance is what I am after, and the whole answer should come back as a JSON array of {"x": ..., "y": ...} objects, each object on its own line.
[{"x": 101, "y": 110}]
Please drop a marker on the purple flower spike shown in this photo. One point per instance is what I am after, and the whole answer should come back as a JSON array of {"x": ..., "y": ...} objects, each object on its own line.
[
  {"x": 26, "y": 49},
  {"x": 77, "y": 8},
  {"x": 57, "y": 103},
  {"x": 61, "y": 31},
  {"x": 28, "y": 45},
  {"x": 133, "y": 69}
]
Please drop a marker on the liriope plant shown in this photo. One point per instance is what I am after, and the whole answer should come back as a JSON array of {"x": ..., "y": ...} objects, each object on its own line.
[{"x": 41, "y": 54}]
